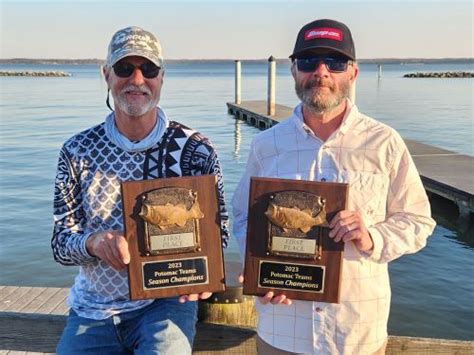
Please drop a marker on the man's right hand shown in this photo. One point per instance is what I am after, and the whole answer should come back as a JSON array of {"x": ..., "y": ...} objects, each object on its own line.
[
  {"x": 111, "y": 247},
  {"x": 269, "y": 296},
  {"x": 279, "y": 299}
]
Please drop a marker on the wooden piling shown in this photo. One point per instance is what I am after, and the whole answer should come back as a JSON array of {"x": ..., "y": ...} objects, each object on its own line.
[
  {"x": 237, "y": 81},
  {"x": 271, "y": 86}
]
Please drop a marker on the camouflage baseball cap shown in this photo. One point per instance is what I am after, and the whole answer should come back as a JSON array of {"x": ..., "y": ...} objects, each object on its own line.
[{"x": 134, "y": 41}]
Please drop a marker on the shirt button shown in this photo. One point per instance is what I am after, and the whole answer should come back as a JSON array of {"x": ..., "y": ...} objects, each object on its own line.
[{"x": 318, "y": 309}]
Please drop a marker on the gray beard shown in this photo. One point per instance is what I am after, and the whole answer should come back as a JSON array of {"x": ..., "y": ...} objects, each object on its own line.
[
  {"x": 133, "y": 109},
  {"x": 313, "y": 101}
]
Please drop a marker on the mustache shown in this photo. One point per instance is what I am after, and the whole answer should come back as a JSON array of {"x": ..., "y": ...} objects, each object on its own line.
[
  {"x": 142, "y": 88},
  {"x": 318, "y": 82}
]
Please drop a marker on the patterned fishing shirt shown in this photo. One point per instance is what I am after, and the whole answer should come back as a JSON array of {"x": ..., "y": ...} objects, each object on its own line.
[{"x": 87, "y": 199}]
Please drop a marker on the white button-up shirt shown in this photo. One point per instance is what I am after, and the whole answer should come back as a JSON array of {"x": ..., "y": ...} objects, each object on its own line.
[{"x": 384, "y": 187}]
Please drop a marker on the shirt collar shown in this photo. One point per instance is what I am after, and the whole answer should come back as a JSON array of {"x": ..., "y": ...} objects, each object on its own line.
[{"x": 349, "y": 116}]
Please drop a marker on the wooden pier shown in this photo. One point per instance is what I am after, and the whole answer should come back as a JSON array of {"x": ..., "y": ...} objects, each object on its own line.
[
  {"x": 32, "y": 319},
  {"x": 444, "y": 173},
  {"x": 255, "y": 113}
]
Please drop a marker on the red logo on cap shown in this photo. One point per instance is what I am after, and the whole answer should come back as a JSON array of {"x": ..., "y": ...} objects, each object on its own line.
[{"x": 323, "y": 32}]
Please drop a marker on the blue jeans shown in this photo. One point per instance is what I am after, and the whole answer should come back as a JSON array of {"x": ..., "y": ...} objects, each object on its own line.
[{"x": 164, "y": 327}]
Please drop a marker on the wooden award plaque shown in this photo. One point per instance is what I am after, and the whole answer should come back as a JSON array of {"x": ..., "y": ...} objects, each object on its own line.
[
  {"x": 172, "y": 227},
  {"x": 288, "y": 248}
]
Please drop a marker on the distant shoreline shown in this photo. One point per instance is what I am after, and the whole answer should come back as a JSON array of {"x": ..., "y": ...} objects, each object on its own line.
[
  {"x": 35, "y": 73},
  {"x": 401, "y": 61}
]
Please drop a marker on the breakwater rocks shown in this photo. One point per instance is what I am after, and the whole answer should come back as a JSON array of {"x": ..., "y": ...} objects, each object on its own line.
[
  {"x": 35, "y": 73},
  {"x": 449, "y": 74}
]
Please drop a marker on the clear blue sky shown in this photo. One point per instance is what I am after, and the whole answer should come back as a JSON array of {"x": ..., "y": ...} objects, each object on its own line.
[{"x": 235, "y": 29}]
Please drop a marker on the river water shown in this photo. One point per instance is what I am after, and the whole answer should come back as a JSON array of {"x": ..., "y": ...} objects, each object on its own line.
[{"x": 432, "y": 290}]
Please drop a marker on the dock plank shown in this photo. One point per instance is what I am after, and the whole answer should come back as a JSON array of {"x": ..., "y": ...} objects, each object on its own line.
[
  {"x": 62, "y": 307},
  {"x": 21, "y": 301},
  {"x": 54, "y": 301},
  {"x": 6, "y": 291},
  {"x": 9, "y": 302},
  {"x": 422, "y": 149},
  {"x": 42, "y": 298},
  {"x": 455, "y": 171}
]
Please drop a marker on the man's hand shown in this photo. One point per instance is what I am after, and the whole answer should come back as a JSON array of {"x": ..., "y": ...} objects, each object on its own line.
[
  {"x": 269, "y": 296},
  {"x": 349, "y": 225},
  {"x": 194, "y": 297},
  {"x": 279, "y": 299},
  {"x": 111, "y": 247}
]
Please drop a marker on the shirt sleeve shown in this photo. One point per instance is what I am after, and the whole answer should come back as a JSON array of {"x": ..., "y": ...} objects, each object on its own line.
[
  {"x": 408, "y": 223},
  {"x": 69, "y": 236},
  {"x": 213, "y": 167},
  {"x": 240, "y": 201}
]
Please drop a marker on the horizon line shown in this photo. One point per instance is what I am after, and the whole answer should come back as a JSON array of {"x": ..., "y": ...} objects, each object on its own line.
[{"x": 234, "y": 59}]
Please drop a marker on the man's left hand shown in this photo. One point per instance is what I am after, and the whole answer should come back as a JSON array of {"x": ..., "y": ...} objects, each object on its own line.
[
  {"x": 194, "y": 297},
  {"x": 349, "y": 225}
]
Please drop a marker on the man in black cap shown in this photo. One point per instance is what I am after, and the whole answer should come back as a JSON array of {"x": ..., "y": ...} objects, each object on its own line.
[
  {"x": 388, "y": 213},
  {"x": 136, "y": 142}
]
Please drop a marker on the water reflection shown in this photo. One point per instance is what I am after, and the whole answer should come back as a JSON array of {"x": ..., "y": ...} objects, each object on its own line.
[
  {"x": 447, "y": 215},
  {"x": 237, "y": 138}
]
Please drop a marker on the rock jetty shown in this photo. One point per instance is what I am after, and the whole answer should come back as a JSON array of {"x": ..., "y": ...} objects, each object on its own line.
[
  {"x": 449, "y": 74},
  {"x": 35, "y": 73}
]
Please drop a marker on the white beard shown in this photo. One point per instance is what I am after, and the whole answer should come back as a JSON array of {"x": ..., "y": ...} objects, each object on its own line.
[{"x": 135, "y": 109}]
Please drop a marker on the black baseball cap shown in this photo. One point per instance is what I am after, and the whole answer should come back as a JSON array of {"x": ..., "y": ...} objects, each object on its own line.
[{"x": 324, "y": 34}]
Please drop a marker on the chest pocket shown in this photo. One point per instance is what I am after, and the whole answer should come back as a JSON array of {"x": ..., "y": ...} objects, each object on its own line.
[{"x": 367, "y": 194}]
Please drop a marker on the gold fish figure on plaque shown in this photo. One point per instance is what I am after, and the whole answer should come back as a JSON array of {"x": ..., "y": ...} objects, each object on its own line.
[
  {"x": 294, "y": 218},
  {"x": 168, "y": 215}
]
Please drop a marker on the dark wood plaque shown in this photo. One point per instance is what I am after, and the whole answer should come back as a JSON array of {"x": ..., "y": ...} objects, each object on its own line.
[
  {"x": 172, "y": 227},
  {"x": 288, "y": 248}
]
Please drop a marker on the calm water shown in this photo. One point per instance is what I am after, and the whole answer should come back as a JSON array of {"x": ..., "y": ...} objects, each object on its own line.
[{"x": 432, "y": 290}]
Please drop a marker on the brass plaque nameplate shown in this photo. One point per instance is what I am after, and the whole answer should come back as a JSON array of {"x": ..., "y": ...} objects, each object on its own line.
[
  {"x": 293, "y": 245},
  {"x": 286, "y": 276},
  {"x": 172, "y": 241},
  {"x": 174, "y": 272}
]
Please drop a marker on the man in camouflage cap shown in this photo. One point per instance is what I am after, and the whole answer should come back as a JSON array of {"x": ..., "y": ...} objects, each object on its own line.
[{"x": 136, "y": 142}]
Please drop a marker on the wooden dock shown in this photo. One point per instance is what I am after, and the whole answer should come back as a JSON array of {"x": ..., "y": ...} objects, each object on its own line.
[
  {"x": 32, "y": 319},
  {"x": 255, "y": 113},
  {"x": 444, "y": 173}
]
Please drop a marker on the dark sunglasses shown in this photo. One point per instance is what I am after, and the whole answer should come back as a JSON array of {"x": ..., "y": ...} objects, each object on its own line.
[
  {"x": 335, "y": 65},
  {"x": 125, "y": 69}
]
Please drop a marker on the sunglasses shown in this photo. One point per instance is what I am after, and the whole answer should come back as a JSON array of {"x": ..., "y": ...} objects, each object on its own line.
[
  {"x": 335, "y": 65},
  {"x": 125, "y": 69}
]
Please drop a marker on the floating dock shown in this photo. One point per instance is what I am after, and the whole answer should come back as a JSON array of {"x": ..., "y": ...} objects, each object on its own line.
[{"x": 444, "y": 173}]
